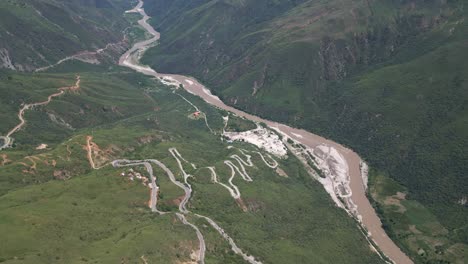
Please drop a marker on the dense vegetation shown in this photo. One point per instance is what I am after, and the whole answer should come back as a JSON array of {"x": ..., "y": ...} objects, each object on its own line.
[
  {"x": 37, "y": 33},
  {"x": 387, "y": 78}
]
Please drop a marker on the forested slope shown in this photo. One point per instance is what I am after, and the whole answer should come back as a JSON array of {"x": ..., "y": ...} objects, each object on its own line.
[{"x": 38, "y": 33}]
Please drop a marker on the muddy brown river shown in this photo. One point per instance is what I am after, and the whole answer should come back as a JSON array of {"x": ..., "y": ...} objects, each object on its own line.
[{"x": 369, "y": 218}]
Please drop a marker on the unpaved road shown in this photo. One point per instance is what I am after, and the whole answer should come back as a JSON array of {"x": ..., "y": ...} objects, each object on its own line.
[
  {"x": 85, "y": 56},
  {"x": 7, "y": 139},
  {"x": 369, "y": 218}
]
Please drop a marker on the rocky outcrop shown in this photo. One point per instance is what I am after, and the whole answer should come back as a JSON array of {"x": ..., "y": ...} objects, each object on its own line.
[{"x": 5, "y": 60}]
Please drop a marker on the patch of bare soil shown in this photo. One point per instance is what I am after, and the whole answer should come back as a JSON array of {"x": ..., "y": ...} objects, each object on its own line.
[
  {"x": 33, "y": 159},
  {"x": 414, "y": 230},
  {"x": 143, "y": 258},
  {"x": 42, "y": 146},
  {"x": 254, "y": 205},
  {"x": 177, "y": 200},
  {"x": 457, "y": 250},
  {"x": 148, "y": 139},
  {"x": 62, "y": 174},
  {"x": 242, "y": 205},
  {"x": 187, "y": 248},
  {"x": 5, "y": 160},
  {"x": 396, "y": 201},
  {"x": 36, "y": 160},
  {"x": 281, "y": 172},
  {"x": 98, "y": 157},
  {"x": 69, "y": 152}
]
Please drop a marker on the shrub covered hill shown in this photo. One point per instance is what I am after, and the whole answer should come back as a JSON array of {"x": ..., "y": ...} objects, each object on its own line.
[
  {"x": 38, "y": 33},
  {"x": 55, "y": 208},
  {"x": 387, "y": 78}
]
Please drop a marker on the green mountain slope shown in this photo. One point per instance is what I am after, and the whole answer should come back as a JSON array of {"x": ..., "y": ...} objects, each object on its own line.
[
  {"x": 54, "y": 207},
  {"x": 38, "y": 33},
  {"x": 387, "y": 78}
]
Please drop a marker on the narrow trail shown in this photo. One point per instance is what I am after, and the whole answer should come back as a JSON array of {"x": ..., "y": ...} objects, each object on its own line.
[
  {"x": 89, "y": 153},
  {"x": 83, "y": 56},
  {"x": 7, "y": 139}
]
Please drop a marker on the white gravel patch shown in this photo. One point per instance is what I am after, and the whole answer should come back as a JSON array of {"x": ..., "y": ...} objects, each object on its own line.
[
  {"x": 364, "y": 173},
  {"x": 297, "y": 135},
  {"x": 141, "y": 68},
  {"x": 336, "y": 169},
  {"x": 208, "y": 92},
  {"x": 262, "y": 138},
  {"x": 42, "y": 146}
]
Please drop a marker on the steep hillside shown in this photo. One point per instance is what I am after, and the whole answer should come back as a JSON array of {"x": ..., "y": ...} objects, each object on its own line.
[
  {"x": 38, "y": 33},
  {"x": 64, "y": 200},
  {"x": 387, "y": 78}
]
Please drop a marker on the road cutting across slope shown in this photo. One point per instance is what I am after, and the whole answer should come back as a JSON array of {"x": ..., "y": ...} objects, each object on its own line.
[{"x": 8, "y": 140}]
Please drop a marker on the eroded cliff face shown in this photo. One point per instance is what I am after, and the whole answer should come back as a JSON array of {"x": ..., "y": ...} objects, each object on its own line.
[
  {"x": 340, "y": 57},
  {"x": 6, "y": 60}
]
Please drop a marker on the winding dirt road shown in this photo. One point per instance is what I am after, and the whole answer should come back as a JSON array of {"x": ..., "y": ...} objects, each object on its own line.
[
  {"x": 7, "y": 139},
  {"x": 365, "y": 213}
]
